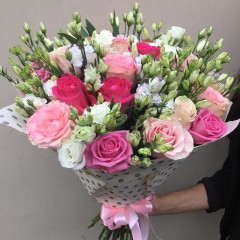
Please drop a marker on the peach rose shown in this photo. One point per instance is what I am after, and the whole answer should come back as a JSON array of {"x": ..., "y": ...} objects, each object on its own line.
[
  {"x": 173, "y": 133},
  {"x": 58, "y": 56},
  {"x": 120, "y": 44},
  {"x": 122, "y": 66},
  {"x": 49, "y": 125},
  {"x": 185, "y": 110},
  {"x": 219, "y": 104}
]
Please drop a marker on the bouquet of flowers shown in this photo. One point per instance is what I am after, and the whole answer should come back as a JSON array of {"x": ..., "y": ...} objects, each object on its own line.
[{"x": 122, "y": 108}]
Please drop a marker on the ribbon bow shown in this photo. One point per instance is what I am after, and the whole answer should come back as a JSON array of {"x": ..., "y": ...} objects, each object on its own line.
[{"x": 134, "y": 215}]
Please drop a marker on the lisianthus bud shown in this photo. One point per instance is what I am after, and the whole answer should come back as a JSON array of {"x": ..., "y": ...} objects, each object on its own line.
[
  {"x": 224, "y": 57},
  {"x": 135, "y": 138},
  {"x": 201, "y": 34},
  {"x": 147, "y": 162},
  {"x": 156, "y": 84},
  {"x": 21, "y": 111},
  {"x": 136, "y": 160},
  {"x": 222, "y": 77},
  {"x": 209, "y": 32},
  {"x": 144, "y": 151},
  {"x": 208, "y": 81},
  {"x": 202, "y": 104},
  {"x": 130, "y": 19},
  {"x": 145, "y": 101},
  {"x": 154, "y": 27},
  {"x": 124, "y": 17},
  {"x": 83, "y": 134},
  {"x": 27, "y": 28},
  {"x": 134, "y": 50},
  {"x": 42, "y": 28},
  {"x": 203, "y": 43},
  {"x": 85, "y": 120},
  {"x": 229, "y": 83},
  {"x": 68, "y": 55},
  {"x": 145, "y": 33},
  {"x": 193, "y": 76}
]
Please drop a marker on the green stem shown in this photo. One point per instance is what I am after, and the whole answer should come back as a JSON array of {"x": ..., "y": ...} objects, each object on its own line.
[{"x": 94, "y": 221}]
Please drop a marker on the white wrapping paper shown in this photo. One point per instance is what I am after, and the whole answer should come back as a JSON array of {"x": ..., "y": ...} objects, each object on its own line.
[{"x": 122, "y": 188}]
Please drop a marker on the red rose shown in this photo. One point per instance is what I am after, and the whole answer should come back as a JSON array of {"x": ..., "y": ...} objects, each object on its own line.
[
  {"x": 119, "y": 90},
  {"x": 144, "y": 48},
  {"x": 72, "y": 91}
]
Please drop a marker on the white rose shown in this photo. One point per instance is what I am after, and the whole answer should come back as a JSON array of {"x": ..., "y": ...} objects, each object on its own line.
[
  {"x": 70, "y": 154},
  {"x": 156, "y": 84},
  {"x": 104, "y": 39},
  {"x": 47, "y": 87},
  {"x": 177, "y": 32},
  {"x": 37, "y": 101},
  {"x": 99, "y": 112},
  {"x": 92, "y": 78}
]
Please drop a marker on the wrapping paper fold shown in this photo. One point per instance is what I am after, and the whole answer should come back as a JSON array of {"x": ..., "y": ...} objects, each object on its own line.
[{"x": 122, "y": 188}]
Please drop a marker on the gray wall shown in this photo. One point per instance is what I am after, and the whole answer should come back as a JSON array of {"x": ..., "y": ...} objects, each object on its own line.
[{"x": 39, "y": 200}]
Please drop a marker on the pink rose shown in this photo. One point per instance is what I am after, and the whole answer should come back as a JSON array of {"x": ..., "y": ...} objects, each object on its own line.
[
  {"x": 219, "y": 103},
  {"x": 72, "y": 91},
  {"x": 173, "y": 133},
  {"x": 122, "y": 66},
  {"x": 49, "y": 125},
  {"x": 120, "y": 44},
  {"x": 144, "y": 48},
  {"x": 41, "y": 72},
  {"x": 58, "y": 56},
  {"x": 110, "y": 152},
  {"x": 207, "y": 127},
  {"x": 119, "y": 90}
]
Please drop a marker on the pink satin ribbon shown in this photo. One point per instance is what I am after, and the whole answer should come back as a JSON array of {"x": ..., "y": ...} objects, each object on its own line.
[{"x": 134, "y": 215}]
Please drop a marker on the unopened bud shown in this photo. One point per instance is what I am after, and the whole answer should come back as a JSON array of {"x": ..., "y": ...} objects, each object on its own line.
[
  {"x": 43, "y": 28},
  {"x": 27, "y": 28}
]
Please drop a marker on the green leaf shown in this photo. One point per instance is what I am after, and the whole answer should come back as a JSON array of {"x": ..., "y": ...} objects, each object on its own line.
[
  {"x": 71, "y": 39},
  {"x": 90, "y": 28},
  {"x": 114, "y": 26},
  {"x": 84, "y": 33}
]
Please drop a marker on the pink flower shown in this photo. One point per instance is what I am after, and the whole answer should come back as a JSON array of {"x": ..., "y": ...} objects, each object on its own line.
[
  {"x": 173, "y": 133},
  {"x": 207, "y": 127},
  {"x": 188, "y": 60},
  {"x": 41, "y": 72},
  {"x": 219, "y": 103},
  {"x": 110, "y": 152},
  {"x": 120, "y": 44},
  {"x": 122, "y": 66},
  {"x": 119, "y": 90},
  {"x": 58, "y": 56},
  {"x": 144, "y": 48},
  {"x": 72, "y": 91},
  {"x": 49, "y": 125}
]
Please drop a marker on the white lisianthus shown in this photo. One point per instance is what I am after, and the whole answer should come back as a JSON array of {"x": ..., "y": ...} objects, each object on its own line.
[
  {"x": 92, "y": 79},
  {"x": 156, "y": 84},
  {"x": 142, "y": 91},
  {"x": 156, "y": 99},
  {"x": 84, "y": 134},
  {"x": 77, "y": 60},
  {"x": 138, "y": 62},
  {"x": 201, "y": 45},
  {"x": 104, "y": 39},
  {"x": 36, "y": 101},
  {"x": 168, "y": 105},
  {"x": 170, "y": 49},
  {"x": 47, "y": 87},
  {"x": 177, "y": 32},
  {"x": 70, "y": 154},
  {"x": 98, "y": 112}
]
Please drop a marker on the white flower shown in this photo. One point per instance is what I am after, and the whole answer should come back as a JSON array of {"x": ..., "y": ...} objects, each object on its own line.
[
  {"x": 171, "y": 49},
  {"x": 77, "y": 60},
  {"x": 156, "y": 99},
  {"x": 142, "y": 91},
  {"x": 138, "y": 62},
  {"x": 92, "y": 78},
  {"x": 99, "y": 112},
  {"x": 47, "y": 87},
  {"x": 104, "y": 39},
  {"x": 70, "y": 154},
  {"x": 37, "y": 101},
  {"x": 177, "y": 32},
  {"x": 201, "y": 44},
  {"x": 168, "y": 105},
  {"x": 156, "y": 84}
]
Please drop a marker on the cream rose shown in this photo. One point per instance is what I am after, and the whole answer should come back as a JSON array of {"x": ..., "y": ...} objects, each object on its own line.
[{"x": 185, "y": 110}]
